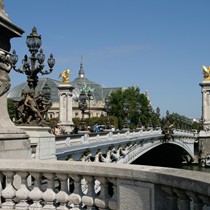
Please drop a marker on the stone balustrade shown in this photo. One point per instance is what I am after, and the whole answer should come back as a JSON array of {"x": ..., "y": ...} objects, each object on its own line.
[
  {"x": 119, "y": 147},
  {"x": 37, "y": 185}
]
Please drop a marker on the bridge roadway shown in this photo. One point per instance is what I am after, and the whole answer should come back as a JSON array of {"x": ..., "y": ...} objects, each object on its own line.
[{"x": 125, "y": 147}]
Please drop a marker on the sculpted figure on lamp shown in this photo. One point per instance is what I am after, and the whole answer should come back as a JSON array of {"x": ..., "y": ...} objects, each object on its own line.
[
  {"x": 206, "y": 72},
  {"x": 65, "y": 76}
]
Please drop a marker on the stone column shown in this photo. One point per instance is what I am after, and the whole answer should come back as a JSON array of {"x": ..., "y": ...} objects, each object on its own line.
[
  {"x": 14, "y": 142},
  {"x": 205, "y": 85},
  {"x": 65, "y": 106}
]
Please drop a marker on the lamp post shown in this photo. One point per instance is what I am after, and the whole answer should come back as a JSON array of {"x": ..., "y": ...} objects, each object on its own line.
[
  {"x": 139, "y": 125},
  {"x": 31, "y": 66},
  {"x": 82, "y": 107},
  {"x": 126, "y": 108},
  {"x": 88, "y": 91},
  {"x": 107, "y": 108},
  {"x": 158, "y": 116},
  {"x": 149, "y": 116},
  {"x": 89, "y": 95}
]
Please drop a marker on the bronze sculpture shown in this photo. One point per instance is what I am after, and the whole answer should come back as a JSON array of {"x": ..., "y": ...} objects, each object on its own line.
[{"x": 32, "y": 109}]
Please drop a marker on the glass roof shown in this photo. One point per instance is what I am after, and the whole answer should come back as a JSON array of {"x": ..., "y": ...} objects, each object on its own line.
[{"x": 98, "y": 91}]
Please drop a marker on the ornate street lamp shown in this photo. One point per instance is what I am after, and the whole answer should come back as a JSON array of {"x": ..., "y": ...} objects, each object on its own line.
[
  {"x": 158, "y": 116},
  {"x": 31, "y": 66},
  {"x": 89, "y": 95},
  {"x": 82, "y": 107},
  {"x": 126, "y": 108},
  {"x": 150, "y": 116},
  {"x": 107, "y": 108},
  {"x": 139, "y": 125}
]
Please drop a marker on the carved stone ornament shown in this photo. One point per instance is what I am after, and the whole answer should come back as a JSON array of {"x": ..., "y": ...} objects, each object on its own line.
[{"x": 5, "y": 67}]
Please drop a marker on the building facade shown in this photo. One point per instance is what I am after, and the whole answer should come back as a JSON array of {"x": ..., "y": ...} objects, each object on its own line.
[{"x": 96, "y": 94}]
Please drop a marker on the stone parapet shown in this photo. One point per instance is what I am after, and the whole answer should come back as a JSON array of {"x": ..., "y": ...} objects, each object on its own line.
[
  {"x": 42, "y": 142},
  {"x": 75, "y": 185}
]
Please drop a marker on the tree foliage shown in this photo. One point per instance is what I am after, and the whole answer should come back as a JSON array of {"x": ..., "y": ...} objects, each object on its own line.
[
  {"x": 180, "y": 121},
  {"x": 133, "y": 96}
]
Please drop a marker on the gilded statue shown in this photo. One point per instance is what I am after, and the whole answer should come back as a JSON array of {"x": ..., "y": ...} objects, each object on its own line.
[
  {"x": 65, "y": 76},
  {"x": 206, "y": 72}
]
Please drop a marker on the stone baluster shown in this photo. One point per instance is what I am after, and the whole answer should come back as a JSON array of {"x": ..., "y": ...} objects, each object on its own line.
[
  {"x": 35, "y": 194},
  {"x": 62, "y": 197},
  {"x": 9, "y": 192},
  {"x": 22, "y": 193},
  {"x": 102, "y": 201},
  {"x": 184, "y": 200},
  {"x": 113, "y": 201},
  {"x": 75, "y": 197},
  {"x": 171, "y": 198},
  {"x": 49, "y": 194},
  {"x": 89, "y": 198},
  {"x": 197, "y": 202}
]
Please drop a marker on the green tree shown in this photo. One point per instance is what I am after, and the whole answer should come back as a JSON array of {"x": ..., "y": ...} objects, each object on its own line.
[
  {"x": 179, "y": 121},
  {"x": 132, "y": 96}
]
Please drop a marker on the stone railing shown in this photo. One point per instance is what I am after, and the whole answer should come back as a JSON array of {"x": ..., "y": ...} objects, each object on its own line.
[
  {"x": 118, "y": 146},
  {"x": 34, "y": 184},
  {"x": 63, "y": 141}
]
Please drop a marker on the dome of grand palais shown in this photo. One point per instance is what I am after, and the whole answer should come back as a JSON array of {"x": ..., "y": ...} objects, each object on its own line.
[{"x": 96, "y": 102}]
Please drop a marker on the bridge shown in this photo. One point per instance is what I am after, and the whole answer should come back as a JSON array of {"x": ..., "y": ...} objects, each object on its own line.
[{"x": 127, "y": 147}]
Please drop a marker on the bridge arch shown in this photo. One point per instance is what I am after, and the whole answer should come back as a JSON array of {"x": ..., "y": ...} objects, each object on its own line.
[{"x": 168, "y": 155}]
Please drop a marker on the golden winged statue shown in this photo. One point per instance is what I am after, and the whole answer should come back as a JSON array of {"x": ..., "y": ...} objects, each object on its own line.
[
  {"x": 206, "y": 72},
  {"x": 65, "y": 76}
]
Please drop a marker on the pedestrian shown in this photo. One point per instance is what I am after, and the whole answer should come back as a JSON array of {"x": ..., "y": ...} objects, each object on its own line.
[
  {"x": 112, "y": 128},
  {"x": 59, "y": 130},
  {"x": 96, "y": 128}
]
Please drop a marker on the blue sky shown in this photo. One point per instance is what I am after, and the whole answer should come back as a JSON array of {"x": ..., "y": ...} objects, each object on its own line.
[{"x": 156, "y": 45}]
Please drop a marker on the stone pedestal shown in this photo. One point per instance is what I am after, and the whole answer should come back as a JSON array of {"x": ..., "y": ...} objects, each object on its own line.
[
  {"x": 205, "y": 85},
  {"x": 42, "y": 142},
  {"x": 204, "y": 135},
  {"x": 65, "y": 108},
  {"x": 14, "y": 142}
]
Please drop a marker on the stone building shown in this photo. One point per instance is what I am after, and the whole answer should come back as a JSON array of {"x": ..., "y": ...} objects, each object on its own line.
[{"x": 95, "y": 102}]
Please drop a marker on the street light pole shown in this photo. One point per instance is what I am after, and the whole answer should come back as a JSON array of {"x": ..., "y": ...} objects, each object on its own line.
[
  {"x": 107, "y": 109},
  {"x": 126, "y": 108},
  {"x": 89, "y": 94},
  {"x": 30, "y": 113},
  {"x": 30, "y": 66},
  {"x": 82, "y": 107},
  {"x": 139, "y": 124}
]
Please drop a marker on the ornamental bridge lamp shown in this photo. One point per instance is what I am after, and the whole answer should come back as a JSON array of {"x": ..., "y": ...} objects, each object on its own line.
[
  {"x": 107, "y": 108},
  {"x": 29, "y": 64},
  {"x": 32, "y": 66},
  {"x": 83, "y": 107},
  {"x": 126, "y": 109}
]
